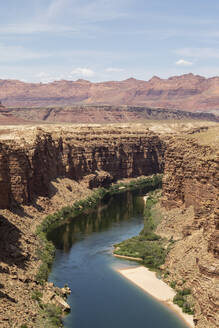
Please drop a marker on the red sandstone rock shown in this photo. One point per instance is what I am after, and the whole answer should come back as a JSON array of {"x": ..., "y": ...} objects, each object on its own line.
[
  {"x": 186, "y": 92},
  {"x": 191, "y": 179},
  {"x": 29, "y": 164},
  {"x": 26, "y": 171}
]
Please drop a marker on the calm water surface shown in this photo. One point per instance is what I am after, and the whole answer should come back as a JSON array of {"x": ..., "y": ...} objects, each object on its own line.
[{"x": 101, "y": 298}]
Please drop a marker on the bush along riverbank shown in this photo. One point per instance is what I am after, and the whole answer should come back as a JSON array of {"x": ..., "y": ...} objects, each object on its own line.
[
  {"x": 184, "y": 299},
  {"x": 46, "y": 251},
  {"x": 153, "y": 249},
  {"x": 148, "y": 246}
]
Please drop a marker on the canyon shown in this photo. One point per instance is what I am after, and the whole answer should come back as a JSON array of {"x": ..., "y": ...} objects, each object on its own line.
[
  {"x": 191, "y": 180},
  {"x": 186, "y": 92},
  {"x": 45, "y": 167}
]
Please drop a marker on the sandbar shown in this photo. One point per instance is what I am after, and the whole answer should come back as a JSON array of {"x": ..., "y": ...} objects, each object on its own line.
[
  {"x": 128, "y": 257},
  {"x": 148, "y": 281}
]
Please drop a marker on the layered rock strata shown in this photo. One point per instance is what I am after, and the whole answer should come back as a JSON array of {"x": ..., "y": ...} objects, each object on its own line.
[
  {"x": 26, "y": 169},
  {"x": 101, "y": 114},
  {"x": 43, "y": 169},
  {"x": 191, "y": 178},
  {"x": 186, "y": 92}
]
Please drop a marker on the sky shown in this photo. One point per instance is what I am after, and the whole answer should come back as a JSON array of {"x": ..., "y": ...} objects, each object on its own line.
[{"x": 102, "y": 40}]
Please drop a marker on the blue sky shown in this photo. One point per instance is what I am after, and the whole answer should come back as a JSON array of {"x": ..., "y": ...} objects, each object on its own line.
[{"x": 100, "y": 40}]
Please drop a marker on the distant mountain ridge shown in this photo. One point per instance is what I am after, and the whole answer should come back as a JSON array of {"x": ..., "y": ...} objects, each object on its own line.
[
  {"x": 186, "y": 92},
  {"x": 97, "y": 114}
]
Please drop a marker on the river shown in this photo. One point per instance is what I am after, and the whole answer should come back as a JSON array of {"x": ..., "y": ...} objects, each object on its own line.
[{"x": 101, "y": 297}]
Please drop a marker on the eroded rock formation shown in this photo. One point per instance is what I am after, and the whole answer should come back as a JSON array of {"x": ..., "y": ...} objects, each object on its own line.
[
  {"x": 39, "y": 168},
  {"x": 186, "y": 92},
  {"x": 101, "y": 114},
  {"x": 191, "y": 178},
  {"x": 27, "y": 169}
]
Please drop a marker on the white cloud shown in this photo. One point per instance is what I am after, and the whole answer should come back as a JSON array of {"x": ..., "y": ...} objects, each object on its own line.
[
  {"x": 44, "y": 77},
  {"x": 42, "y": 74},
  {"x": 47, "y": 77},
  {"x": 183, "y": 62},
  {"x": 50, "y": 72},
  {"x": 114, "y": 70},
  {"x": 82, "y": 71}
]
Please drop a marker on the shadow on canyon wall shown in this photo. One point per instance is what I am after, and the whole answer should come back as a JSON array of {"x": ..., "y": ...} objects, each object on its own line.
[
  {"x": 4, "y": 295},
  {"x": 10, "y": 248}
]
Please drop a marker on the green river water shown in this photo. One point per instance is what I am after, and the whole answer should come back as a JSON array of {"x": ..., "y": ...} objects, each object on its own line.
[{"x": 101, "y": 297}]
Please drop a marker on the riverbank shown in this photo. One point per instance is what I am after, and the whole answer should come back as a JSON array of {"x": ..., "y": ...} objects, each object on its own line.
[
  {"x": 20, "y": 261},
  {"x": 147, "y": 280},
  {"x": 128, "y": 257},
  {"x": 46, "y": 248},
  {"x": 153, "y": 250},
  {"x": 38, "y": 169},
  {"x": 22, "y": 253},
  {"x": 148, "y": 246}
]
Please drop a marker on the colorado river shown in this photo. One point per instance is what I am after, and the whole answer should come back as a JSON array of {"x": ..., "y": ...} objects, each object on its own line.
[{"x": 102, "y": 298}]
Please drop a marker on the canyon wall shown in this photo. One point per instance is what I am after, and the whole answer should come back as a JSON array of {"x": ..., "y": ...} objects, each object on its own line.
[
  {"x": 99, "y": 114},
  {"x": 31, "y": 158},
  {"x": 26, "y": 169},
  {"x": 191, "y": 178}
]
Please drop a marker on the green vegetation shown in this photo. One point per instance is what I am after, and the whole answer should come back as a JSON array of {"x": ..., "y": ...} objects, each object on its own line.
[
  {"x": 152, "y": 252},
  {"x": 166, "y": 274},
  {"x": 50, "y": 316},
  {"x": 46, "y": 251},
  {"x": 36, "y": 295},
  {"x": 152, "y": 249},
  {"x": 149, "y": 222},
  {"x": 148, "y": 245},
  {"x": 173, "y": 284},
  {"x": 154, "y": 182},
  {"x": 182, "y": 300}
]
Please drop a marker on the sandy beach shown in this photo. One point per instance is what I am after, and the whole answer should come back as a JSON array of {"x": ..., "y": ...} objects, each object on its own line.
[{"x": 148, "y": 281}]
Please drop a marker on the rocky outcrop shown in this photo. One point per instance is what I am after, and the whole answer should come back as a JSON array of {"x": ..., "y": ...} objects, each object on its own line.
[
  {"x": 191, "y": 178},
  {"x": 42, "y": 170},
  {"x": 56, "y": 296},
  {"x": 103, "y": 114},
  {"x": 19, "y": 261},
  {"x": 186, "y": 92},
  {"x": 27, "y": 169},
  {"x": 39, "y": 172}
]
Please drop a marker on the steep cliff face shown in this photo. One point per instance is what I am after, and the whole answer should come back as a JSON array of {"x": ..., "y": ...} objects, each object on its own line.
[
  {"x": 40, "y": 167},
  {"x": 191, "y": 178},
  {"x": 27, "y": 170},
  {"x": 38, "y": 173},
  {"x": 101, "y": 114}
]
